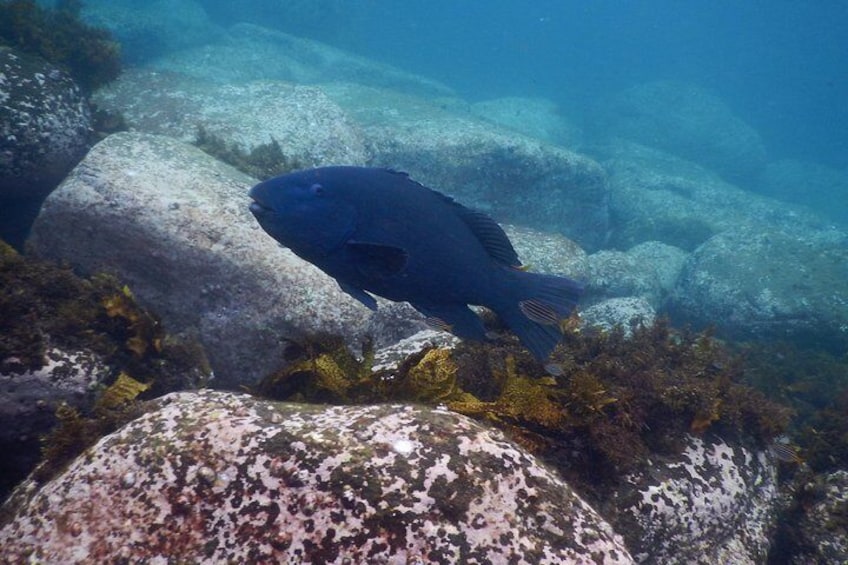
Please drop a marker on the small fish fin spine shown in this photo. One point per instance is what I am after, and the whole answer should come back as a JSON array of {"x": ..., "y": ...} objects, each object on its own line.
[{"x": 533, "y": 307}]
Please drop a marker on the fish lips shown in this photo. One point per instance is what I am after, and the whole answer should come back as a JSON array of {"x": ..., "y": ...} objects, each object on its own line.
[{"x": 257, "y": 207}]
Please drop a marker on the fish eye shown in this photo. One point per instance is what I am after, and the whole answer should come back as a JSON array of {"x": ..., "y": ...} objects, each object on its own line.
[{"x": 316, "y": 189}]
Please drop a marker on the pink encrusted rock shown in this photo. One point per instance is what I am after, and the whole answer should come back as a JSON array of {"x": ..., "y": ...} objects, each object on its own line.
[{"x": 222, "y": 477}]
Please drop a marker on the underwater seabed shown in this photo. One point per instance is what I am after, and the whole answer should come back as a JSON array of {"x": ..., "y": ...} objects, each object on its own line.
[
  {"x": 663, "y": 443},
  {"x": 625, "y": 406}
]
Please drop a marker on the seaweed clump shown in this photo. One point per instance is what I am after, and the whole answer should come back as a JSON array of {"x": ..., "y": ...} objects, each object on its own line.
[
  {"x": 262, "y": 162},
  {"x": 45, "y": 306},
  {"x": 77, "y": 430},
  {"x": 89, "y": 54},
  {"x": 814, "y": 382},
  {"x": 615, "y": 400}
]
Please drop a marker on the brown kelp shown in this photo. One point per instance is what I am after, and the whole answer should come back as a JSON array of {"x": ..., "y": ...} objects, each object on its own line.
[{"x": 615, "y": 400}]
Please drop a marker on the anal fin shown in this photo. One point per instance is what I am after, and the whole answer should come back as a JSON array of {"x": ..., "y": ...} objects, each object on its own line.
[{"x": 458, "y": 319}]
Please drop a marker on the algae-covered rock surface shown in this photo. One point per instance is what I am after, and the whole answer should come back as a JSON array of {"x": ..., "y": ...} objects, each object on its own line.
[
  {"x": 222, "y": 477},
  {"x": 64, "y": 340}
]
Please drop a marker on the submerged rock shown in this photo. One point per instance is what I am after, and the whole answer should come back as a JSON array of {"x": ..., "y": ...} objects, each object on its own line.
[
  {"x": 536, "y": 117},
  {"x": 29, "y": 399},
  {"x": 625, "y": 312},
  {"x": 251, "y": 52},
  {"x": 713, "y": 503},
  {"x": 776, "y": 284},
  {"x": 173, "y": 223},
  {"x": 687, "y": 121},
  {"x": 44, "y": 131},
  {"x": 655, "y": 196},
  {"x": 310, "y": 129},
  {"x": 648, "y": 270},
  {"x": 822, "y": 531},
  {"x": 225, "y": 477}
]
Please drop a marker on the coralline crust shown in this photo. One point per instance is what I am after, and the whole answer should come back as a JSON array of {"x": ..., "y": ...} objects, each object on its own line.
[{"x": 221, "y": 477}]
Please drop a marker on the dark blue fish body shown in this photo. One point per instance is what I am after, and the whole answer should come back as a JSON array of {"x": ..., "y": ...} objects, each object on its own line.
[{"x": 377, "y": 231}]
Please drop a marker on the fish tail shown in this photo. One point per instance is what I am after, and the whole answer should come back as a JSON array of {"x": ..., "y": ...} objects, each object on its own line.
[{"x": 535, "y": 307}]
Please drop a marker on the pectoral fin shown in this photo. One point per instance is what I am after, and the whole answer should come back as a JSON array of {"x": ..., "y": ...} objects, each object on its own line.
[
  {"x": 376, "y": 260},
  {"x": 359, "y": 294}
]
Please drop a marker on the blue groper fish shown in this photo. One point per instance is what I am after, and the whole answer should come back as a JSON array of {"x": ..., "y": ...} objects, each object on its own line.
[{"x": 376, "y": 231}]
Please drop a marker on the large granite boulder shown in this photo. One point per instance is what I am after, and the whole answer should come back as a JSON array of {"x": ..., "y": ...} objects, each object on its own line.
[
  {"x": 174, "y": 224},
  {"x": 310, "y": 129},
  {"x": 656, "y": 196},
  {"x": 44, "y": 131},
  {"x": 769, "y": 284},
  {"x": 684, "y": 120},
  {"x": 228, "y": 478}
]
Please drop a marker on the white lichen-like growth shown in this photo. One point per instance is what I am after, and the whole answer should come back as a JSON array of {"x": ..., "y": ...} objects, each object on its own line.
[{"x": 220, "y": 477}]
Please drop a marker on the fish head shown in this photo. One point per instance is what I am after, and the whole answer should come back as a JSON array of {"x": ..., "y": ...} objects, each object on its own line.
[{"x": 310, "y": 217}]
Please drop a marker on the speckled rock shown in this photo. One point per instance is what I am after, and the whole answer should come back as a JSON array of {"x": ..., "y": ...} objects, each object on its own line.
[
  {"x": 625, "y": 312},
  {"x": 310, "y": 129},
  {"x": 822, "y": 531},
  {"x": 536, "y": 117},
  {"x": 390, "y": 358},
  {"x": 28, "y": 402},
  {"x": 219, "y": 477},
  {"x": 687, "y": 121},
  {"x": 44, "y": 130},
  {"x": 549, "y": 253},
  {"x": 658, "y": 197},
  {"x": 714, "y": 503},
  {"x": 44, "y": 123},
  {"x": 514, "y": 178},
  {"x": 782, "y": 284},
  {"x": 174, "y": 224},
  {"x": 648, "y": 270}
]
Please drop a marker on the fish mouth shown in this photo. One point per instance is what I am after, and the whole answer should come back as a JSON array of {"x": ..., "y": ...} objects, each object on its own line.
[{"x": 258, "y": 208}]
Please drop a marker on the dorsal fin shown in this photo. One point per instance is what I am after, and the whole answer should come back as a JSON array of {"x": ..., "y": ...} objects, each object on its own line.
[
  {"x": 490, "y": 234},
  {"x": 485, "y": 229}
]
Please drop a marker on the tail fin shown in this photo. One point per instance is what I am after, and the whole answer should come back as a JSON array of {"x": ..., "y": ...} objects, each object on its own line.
[{"x": 535, "y": 306}]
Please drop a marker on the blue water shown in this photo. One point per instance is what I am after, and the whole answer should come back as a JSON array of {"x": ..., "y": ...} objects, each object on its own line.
[{"x": 781, "y": 66}]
